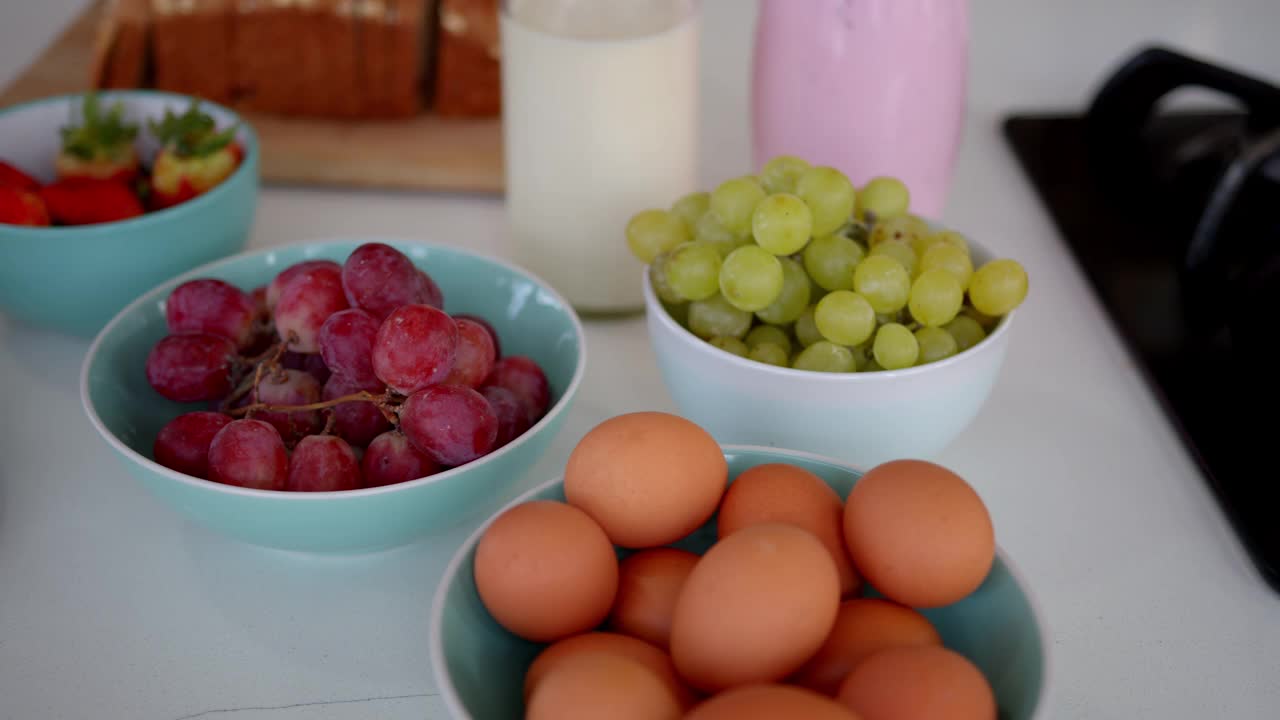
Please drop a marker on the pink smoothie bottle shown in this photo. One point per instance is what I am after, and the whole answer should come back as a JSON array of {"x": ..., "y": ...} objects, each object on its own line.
[{"x": 871, "y": 87}]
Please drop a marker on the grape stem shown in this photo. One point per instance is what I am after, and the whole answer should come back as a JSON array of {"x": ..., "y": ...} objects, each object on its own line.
[
  {"x": 382, "y": 401},
  {"x": 269, "y": 358}
]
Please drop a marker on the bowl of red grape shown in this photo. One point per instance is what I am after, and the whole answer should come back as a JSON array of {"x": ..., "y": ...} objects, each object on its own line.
[
  {"x": 792, "y": 309},
  {"x": 336, "y": 397}
]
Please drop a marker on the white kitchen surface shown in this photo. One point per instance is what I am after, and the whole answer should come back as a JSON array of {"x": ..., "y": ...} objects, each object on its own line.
[{"x": 111, "y": 606}]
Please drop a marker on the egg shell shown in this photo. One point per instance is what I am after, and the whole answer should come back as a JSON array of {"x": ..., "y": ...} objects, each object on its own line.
[
  {"x": 918, "y": 533},
  {"x": 593, "y": 686},
  {"x": 612, "y": 643},
  {"x": 649, "y": 583},
  {"x": 918, "y": 683},
  {"x": 545, "y": 570},
  {"x": 863, "y": 627},
  {"x": 756, "y": 606},
  {"x": 770, "y": 702},
  {"x": 647, "y": 478},
  {"x": 777, "y": 492}
]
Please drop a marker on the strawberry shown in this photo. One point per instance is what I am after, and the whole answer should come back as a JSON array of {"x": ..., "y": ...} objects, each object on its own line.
[
  {"x": 82, "y": 201},
  {"x": 195, "y": 156},
  {"x": 21, "y": 207},
  {"x": 101, "y": 147},
  {"x": 11, "y": 176}
]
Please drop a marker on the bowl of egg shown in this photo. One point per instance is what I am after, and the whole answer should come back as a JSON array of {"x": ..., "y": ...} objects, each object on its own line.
[
  {"x": 667, "y": 576},
  {"x": 792, "y": 310}
]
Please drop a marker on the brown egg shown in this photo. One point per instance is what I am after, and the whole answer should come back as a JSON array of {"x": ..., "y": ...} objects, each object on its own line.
[
  {"x": 863, "y": 627},
  {"x": 918, "y": 533},
  {"x": 545, "y": 570},
  {"x": 756, "y": 606},
  {"x": 648, "y": 478},
  {"x": 918, "y": 683},
  {"x": 783, "y": 493},
  {"x": 648, "y": 584},
  {"x": 614, "y": 644},
  {"x": 770, "y": 702},
  {"x": 593, "y": 686}
]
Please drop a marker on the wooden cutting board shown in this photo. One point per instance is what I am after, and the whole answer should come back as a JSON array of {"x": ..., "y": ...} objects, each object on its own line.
[{"x": 423, "y": 153}]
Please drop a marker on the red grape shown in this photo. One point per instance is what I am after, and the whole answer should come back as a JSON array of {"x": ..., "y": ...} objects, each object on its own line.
[
  {"x": 305, "y": 303},
  {"x": 475, "y": 357},
  {"x": 391, "y": 459},
  {"x": 451, "y": 423},
  {"x": 523, "y": 377},
  {"x": 314, "y": 364},
  {"x": 249, "y": 453},
  {"x": 212, "y": 307},
  {"x": 512, "y": 421},
  {"x": 356, "y": 422},
  {"x": 183, "y": 444},
  {"x": 260, "y": 307},
  {"x": 191, "y": 368},
  {"x": 279, "y": 281},
  {"x": 432, "y": 294},
  {"x": 380, "y": 278},
  {"x": 493, "y": 333},
  {"x": 322, "y": 463},
  {"x": 415, "y": 347},
  {"x": 289, "y": 387},
  {"x": 346, "y": 344}
]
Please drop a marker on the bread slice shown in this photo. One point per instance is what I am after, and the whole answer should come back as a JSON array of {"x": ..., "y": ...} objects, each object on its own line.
[
  {"x": 468, "y": 77},
  {"x": 122, "y": 46},
  {"x": 192, "y": 42}
]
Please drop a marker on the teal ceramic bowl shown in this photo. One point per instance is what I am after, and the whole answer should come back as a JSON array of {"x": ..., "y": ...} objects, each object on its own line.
[
  {"x": 479, "y": 667},
  {"x": 531, "y": 318},
  {"x": 74, "y": 279}
]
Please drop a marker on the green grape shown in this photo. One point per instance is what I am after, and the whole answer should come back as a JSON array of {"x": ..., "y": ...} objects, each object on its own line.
[
  {"x": 824, "y": 356},
  {"x": 935, "y": 344},
  {"x": 950, "y": 259},
  {"x": 871, "y": 366},
  {"x": 769, "y": 334},
  {"x": 691, "y": 208},
  {"x": 899, "y": 251},
  {"x": 729, "y": 345},
  {"x": 781, "y": 224},
  {"x": 792, "y": 299},
  {"x": 830, "y": 196},
  {"x": 998, "y": 287},
  {"x": 936, "y": 297},
  {"x": 715, "y": 316},
  {"x": 806, "y": 329},
  {"x": 858, "y": 232},
  {"x": 678, "y": 312},
  {"x": 650, "y": 232},
  {"x": 780, "y": 174},
  {"x": 907, "y": 229},
  {"x": 966, "y": 331},
  {"x": 883, "y": 198},
  {"x": 734, "y": 202},
  {"x": 895, "y": 347},
  {"x": 751, "y": 278},
  {"x": 845, "y": 318},
  {"x": 830, "y": 260},
  {"x": 711, "y": 232},
  {"x": 693, "y": 271},
  {"x": 770, "y": 354},
  {"x": 951, "y": 237},
  {"x": 884, "y": 282},
  {"x": 891, "y": 317},
  {"x": 986, "y": 322},
  {"x": 860, "y": 355}
]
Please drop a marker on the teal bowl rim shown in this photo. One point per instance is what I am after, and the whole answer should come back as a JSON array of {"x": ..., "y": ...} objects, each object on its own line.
[
  {"x": 653, "y": 305},
  {"x": 156, "y": 293},
  {"x": 444, "y": 682},
  {"x": 250, "y": 159}
]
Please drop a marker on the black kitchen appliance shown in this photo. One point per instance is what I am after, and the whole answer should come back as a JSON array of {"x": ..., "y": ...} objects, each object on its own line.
[{"x": 1175, "y": 219}]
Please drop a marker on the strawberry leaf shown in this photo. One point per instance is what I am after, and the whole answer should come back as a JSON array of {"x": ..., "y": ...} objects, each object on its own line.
[
  {"x": 99, "y": 133},
  {"x": 193, "y": 133}
]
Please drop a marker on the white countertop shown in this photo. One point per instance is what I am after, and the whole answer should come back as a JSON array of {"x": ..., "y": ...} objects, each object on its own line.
[{"x": 111, "y": 606}]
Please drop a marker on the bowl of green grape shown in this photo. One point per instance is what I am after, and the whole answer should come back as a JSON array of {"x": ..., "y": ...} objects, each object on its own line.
[{"x": 793, "y": 309}]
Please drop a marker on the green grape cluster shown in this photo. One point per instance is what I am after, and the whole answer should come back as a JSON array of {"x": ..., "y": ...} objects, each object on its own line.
[{"x": 795, "y": 267}]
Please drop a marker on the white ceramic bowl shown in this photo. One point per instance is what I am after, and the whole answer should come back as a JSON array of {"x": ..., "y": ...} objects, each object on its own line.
[{"x": 862, "y": 418}]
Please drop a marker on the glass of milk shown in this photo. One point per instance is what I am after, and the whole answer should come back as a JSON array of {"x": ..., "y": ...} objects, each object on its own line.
[{"x": 600, "y": 114}]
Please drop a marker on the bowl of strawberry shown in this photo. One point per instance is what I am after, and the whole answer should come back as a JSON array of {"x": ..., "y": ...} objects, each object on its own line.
[
  {"x": 338, "y": 396},
  {"x": 105, "y": 195}
]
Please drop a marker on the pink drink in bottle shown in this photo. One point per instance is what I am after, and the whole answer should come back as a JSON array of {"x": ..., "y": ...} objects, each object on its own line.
[{"x": 871, "y": 87}]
